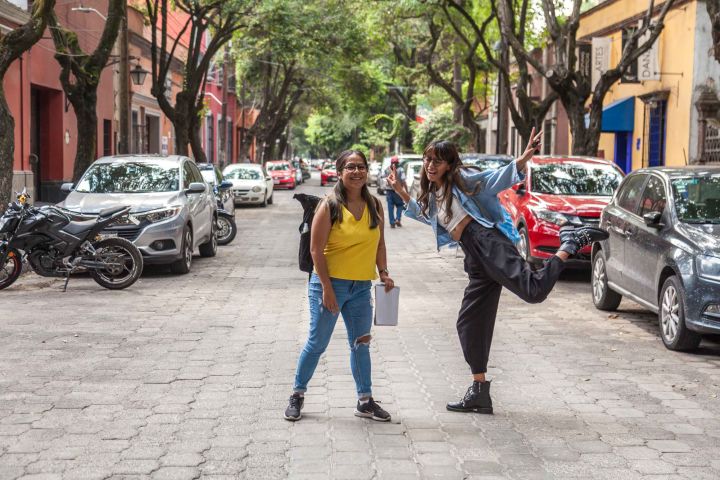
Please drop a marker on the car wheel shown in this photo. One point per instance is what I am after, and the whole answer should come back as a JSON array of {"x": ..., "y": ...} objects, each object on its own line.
[
  {"x": 604, "y": 297},
  {"x": 270, "y": 200},
  {"x": 265, "y": 201},
  {"x": 380, "y": 191},
  {"x": 292, "y": 187},
  {"x": 227, "y": 229},
  {"x": 523, "y": 244},
  {"x": 183, "y": 264},
  {"x": 671, "y": 314},
  {"x": 322, "y": 184},
  {"x": 209, "y": 248}
]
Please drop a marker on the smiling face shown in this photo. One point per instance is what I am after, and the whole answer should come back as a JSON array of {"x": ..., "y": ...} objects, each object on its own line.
[
  {"x": 353, "y": 173},
  {"x": 435, "y": 167}
]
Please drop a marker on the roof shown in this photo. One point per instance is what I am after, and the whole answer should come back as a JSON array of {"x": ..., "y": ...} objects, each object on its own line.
[
  {"x": 569, "y": 158},
  {"x": 143, "y": 157},
  {"x": 14, "y": 14}
]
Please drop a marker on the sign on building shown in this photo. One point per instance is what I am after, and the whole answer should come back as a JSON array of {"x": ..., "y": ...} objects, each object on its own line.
[
  {"x": 648, "y": 64},
  {"x": 600, "y": 58}
]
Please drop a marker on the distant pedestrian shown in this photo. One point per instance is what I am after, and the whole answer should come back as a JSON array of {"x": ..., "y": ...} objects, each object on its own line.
[
  {"x": 347, "y": 245},
  {"x": 461, "y": 205},
  {"x": 394, "y": 201}
]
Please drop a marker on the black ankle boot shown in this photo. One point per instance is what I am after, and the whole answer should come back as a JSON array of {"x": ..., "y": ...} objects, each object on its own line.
[{"x": 477, "y": 399}]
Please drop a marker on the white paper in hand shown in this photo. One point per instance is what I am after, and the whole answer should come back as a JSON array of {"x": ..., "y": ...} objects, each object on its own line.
[{"x": 386, "y": 305}]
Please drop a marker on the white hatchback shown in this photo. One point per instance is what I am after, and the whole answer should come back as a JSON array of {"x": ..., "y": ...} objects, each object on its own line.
[{"x": 251, "y": 184}]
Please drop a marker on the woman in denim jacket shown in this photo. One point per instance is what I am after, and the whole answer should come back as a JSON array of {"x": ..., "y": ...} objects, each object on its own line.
[
  {"x": 461, "y": 205},
  {"x": 347, "y": 245}
]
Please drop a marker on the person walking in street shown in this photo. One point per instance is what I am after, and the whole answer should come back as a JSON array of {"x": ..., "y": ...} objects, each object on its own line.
[
  {"x": 347, "y": 245},
  {"x": 461, "y": 205},
  {"x": 394, "y": 201}
]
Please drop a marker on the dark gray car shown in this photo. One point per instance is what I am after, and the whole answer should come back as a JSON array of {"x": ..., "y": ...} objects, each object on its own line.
[
  {"x": 172, "y": 210},
  {"x": 664, "y": 251}
]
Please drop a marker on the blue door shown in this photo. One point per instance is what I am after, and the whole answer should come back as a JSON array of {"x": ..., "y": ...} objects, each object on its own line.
[
  {"x": 656, "y": 133},
  {"x": 623, "y": 151}
]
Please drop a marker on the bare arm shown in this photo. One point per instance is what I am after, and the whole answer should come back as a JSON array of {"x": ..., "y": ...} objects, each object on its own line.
[
  {"x": 319, "y": 235},
  {"x": 381, "y": 257},
  {"x": 532, "y": 148}
]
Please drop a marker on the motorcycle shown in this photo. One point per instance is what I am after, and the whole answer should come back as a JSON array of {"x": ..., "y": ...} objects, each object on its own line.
[
  {"x": 55, "y": 245},
  {"x": 226, "y": 227}
]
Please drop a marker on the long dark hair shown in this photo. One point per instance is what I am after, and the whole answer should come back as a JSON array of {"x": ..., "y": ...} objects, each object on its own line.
[
  {"x": 447, "y": 151},
  {"x": 338, "y": 196}
]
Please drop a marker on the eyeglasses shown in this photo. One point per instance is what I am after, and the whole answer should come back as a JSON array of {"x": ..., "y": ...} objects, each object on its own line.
[
  {"x": 355, "y": 167},
  {"x": 436, "y": 162}
]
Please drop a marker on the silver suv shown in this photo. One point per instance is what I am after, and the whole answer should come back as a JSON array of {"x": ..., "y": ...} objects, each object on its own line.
[{"x": 172, "y": 210}]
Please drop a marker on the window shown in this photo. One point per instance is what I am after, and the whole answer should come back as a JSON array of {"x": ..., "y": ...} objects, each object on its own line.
[
  {"x": 187, "y": 175},
  {"x": 107, "y": 138},
  {"x": 195, "y": 172},
  {"x": 654, "y": 197},
  {"x": 210, "y": 140},
  {"x": 629, "y": 194}
]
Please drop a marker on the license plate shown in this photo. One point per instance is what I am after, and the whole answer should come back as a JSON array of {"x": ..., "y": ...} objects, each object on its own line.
[
  {"x": 105, "y": 235},
  {"x": 276, "y": 181}
]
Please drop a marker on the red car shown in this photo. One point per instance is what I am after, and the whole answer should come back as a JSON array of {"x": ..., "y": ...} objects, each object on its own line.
[
  {"x": 282, "y": 173},
  {"x": 328, "y": 174},
  {"x": 559, "y": 190}
]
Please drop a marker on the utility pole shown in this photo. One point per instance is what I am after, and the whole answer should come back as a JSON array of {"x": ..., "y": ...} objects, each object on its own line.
[
  {"x": 124, "y": 87},
  {"x": 222, "y": 138}
]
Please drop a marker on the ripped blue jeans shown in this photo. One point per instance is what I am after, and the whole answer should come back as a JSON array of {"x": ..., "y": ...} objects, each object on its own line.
[{"x": 355, "y": 302}]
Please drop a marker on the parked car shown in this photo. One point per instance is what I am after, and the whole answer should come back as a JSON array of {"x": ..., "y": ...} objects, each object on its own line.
[
  {"x": 221, "y": 187},
  {"x": 664, "y": 251},
  {"x": 485, "y": 161},
  {"x": 328, "y": 174},
  {"x": 172, "y": 210},
  {"x": 282, "y": 173},
  {"x": 373, "y": 173},
  {"x": 382, "y": 176},
  {"x": 412, "y": 174},
  {"x": 559, "y": 190},
  {"x": 251, "y": 184}
]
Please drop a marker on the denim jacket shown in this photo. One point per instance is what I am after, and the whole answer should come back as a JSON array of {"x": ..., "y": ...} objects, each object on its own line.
[{"x": 484, "y": 207}]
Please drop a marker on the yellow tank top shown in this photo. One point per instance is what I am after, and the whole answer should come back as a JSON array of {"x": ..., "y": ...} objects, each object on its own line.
[{"x": 352, "y": 246}]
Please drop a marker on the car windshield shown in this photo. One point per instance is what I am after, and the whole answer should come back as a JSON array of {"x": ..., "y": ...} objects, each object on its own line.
[
  {"x": 575, "y": 178},
  {"x": 243, "y": 174},
  {"x": 130, "y": 177},
  {"x": 278, "y": 167},
  {"x": 209, "y": 176},
  {"x": 697, "y": 199}
]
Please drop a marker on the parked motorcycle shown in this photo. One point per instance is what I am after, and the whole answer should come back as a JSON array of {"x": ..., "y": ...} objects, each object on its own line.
[
  {"x": 56, "y": 246},
  {"x": 226, "y": 227}
]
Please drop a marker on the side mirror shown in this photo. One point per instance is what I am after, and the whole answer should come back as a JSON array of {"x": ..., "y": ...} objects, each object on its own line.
[
  {"x": 652, "y": 219},
  {"x": 226, "y": 184},
  {"x": 268, "y": 177},
  {"x": 196, "y": 187},
  {"x": 67, "y": 187},
  {"x": 520, "y": 189}
]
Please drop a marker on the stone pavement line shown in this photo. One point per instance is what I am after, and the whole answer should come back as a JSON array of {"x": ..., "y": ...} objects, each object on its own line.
[{"x": 187, "y": 377}]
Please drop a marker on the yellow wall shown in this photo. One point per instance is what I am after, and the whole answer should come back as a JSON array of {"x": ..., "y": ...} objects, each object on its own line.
[{"x": 675, "y": 56}]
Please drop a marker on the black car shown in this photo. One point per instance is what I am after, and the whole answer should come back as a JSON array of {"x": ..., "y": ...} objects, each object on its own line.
[
  {"x": 664, "y": 250},
  {"x": 486, "y": 161}
]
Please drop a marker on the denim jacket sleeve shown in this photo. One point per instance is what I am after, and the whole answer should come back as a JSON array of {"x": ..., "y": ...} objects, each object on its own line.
[
  {"x": 413, "y": 211},
  {"x": 495, "y": 181}
]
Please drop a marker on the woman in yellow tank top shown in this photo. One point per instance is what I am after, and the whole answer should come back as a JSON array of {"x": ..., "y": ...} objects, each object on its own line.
[{"x": 347, "y": 245}]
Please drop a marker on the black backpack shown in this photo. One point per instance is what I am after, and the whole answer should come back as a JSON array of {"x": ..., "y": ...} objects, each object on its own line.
[{"x": 309, "y": 204}]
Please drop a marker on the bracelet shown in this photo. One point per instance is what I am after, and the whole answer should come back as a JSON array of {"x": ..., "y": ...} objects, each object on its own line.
[{"x": 383, "y": 270}]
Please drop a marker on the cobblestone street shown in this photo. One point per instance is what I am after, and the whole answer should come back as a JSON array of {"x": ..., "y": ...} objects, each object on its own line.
[{"x": 183, "y": 377}]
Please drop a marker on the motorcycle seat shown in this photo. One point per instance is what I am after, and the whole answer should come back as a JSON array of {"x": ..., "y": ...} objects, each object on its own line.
[
  {"x": 75, "y": 228},
  {"x": 111, "y": 211}
]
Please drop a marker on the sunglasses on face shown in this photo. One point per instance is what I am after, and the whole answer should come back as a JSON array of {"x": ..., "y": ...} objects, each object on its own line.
[
  {"x": 355, "y": 167},
  {"x": 436, "y": 162}
]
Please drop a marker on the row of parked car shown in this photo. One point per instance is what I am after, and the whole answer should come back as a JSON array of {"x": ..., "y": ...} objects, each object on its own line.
[
  {"x": 664, "y": 226},
  {"x": 177, "y": 207}
]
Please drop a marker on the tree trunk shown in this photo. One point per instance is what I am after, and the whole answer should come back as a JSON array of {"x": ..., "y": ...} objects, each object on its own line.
[
  {"x": 7, "y": 150},
  {"x": 182, "y": 123},
  {"x": 585, "y": 140},
  {"x": 86, "y": 115},
  {"x": 196, "y": 141}
]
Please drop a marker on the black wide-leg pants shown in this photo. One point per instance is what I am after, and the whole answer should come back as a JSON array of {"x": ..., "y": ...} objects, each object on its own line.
[{"x": 493, "y": 262}]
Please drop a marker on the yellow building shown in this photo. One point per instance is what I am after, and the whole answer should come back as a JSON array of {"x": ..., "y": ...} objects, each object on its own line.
[{"x": 659, "y": 114}]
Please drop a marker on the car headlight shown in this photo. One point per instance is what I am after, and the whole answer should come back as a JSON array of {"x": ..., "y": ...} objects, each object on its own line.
[
  {"x": 158, "y": 215},
  {"x": 256, "y": 189},
  {"x": 708, "y": 267},
  {"x": 555, "y": 218}
]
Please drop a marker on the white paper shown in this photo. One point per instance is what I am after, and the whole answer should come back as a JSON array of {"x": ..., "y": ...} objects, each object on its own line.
[{"x": 386, "y": 305}]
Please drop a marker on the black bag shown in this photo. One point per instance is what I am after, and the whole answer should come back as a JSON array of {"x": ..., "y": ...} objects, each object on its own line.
[{"x": 309, "y": 204}]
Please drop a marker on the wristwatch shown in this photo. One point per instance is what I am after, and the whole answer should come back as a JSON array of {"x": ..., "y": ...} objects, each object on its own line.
[{"x": 383, "y": 270}]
